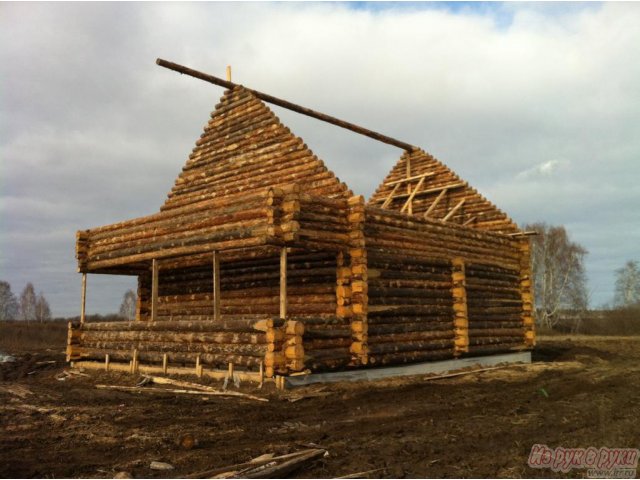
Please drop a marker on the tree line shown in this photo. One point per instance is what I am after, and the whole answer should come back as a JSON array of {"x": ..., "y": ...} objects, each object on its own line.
[{"x": 28, "y": 306}]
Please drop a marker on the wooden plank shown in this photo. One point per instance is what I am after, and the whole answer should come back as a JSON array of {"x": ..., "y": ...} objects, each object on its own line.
[
  {"x": 408, "y": 205},
  {"x": 216, "y": 286},
  {"x": 83, "y": 300},
  {"x": 154, "y": 290},
  {"x": 415, "y": 177},
  {"x": 454, "y": 210},
  {"x": 443, "y": 366},
  {"x": 283, "y": 283}
]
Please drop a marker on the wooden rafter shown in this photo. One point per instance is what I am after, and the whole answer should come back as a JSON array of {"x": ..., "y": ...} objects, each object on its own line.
[
  {"x": 470, "y": 221},
  {"x": 435, "y": 203},
  {"x": 390, "y": 196},
  {"x": 407, "y": 204},
  {"x": 454, "y": 210},
  {"x": 154, "y": 289}
]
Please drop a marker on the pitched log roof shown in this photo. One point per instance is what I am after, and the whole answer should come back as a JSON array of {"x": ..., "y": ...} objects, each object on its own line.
[
  {"x": 218, "y": 201},
  {"x": 245, "y": 147},
  {"x": 435, "y": 191}
]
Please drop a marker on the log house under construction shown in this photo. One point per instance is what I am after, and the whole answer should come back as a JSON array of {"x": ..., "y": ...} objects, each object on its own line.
[{"x": 262, "y": 263}]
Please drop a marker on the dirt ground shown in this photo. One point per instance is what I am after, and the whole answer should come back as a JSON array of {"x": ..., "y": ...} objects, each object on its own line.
[{"x": 579, "y": 392}]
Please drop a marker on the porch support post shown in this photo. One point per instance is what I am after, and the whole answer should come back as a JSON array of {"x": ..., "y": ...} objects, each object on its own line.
[
  {"x": 216, "y": 285},
  {"x": 83, "y": 301},
  {"x": 154, "y": 290},
  {"x": 283, "y": 282}
]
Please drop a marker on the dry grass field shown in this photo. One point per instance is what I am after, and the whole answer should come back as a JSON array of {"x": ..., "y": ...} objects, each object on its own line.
[{"x": 580, "y": 391}]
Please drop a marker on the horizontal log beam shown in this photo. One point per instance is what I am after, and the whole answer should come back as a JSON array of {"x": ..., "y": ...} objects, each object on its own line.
[{"x": 288, "y": 105}]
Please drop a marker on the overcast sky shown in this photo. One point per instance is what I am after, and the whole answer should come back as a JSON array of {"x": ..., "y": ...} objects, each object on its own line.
[{"x": 537, "y": 106}]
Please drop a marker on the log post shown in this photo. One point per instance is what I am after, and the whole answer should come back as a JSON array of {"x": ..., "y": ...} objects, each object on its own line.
[
  {"x": 165, "y": 363},
  {"x": 526, "y": 292},
  {"x": 198, "y": 366},
  {"x": 69, "y": 341},
  {"x": 461, "y": 317},
  {"x": 409, "y": 203},
  {"x": 83, "y": 301},
  {"x": 293, "y": 347},
  {"x": 283, "y": 283},
  {"x": 216, "y": 286},
  {"x": 154, "y": 290},
  {"x": 359, "y": 289},
  {"x": 106, "y": 362}
]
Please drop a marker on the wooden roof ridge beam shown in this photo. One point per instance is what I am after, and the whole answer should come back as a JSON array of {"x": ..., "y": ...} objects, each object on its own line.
[
  {"x": 288, "y": 105},
  {"x": 408, "y": 179},
  {"x": 454, "y": 210}
]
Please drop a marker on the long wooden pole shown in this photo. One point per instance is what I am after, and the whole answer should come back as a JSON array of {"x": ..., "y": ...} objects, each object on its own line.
[
  {"x": 154, "y": 289},
  {"x": 83, "y": 301},
  {"x": 283, "y": 282},
  {"x": 216, "y": 285},
  {"x": 288, "y": 105}
]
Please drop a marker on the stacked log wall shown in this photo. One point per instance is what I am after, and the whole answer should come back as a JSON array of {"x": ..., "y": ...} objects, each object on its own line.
[
  {"x": 248, "y": 287},
  {"x": 245, "y": 342},
  {"x": 414, "y": 268}
]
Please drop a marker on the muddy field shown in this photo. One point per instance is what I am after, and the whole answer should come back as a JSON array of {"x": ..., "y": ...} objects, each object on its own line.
[{"x": 580, "y": 392}]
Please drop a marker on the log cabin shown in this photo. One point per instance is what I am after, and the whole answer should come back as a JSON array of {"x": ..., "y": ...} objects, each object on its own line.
[{"x": 262, "y": 263}]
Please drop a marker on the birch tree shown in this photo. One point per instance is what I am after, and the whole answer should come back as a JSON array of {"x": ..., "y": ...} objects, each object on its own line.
[
  {"x": 128, "y": 305},
  {"x": 43, "y": 311},
  {"x": 8, "y": 302},
  {"x": 28, "y": 303},
  {"x": 558, "y": 273},
  {"x": 627, "y": 290}
]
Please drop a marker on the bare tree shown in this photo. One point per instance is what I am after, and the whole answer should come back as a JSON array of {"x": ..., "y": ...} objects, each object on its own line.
[
  {"x": 8, "y": 302},
  {"x": 627, "y": 292},
  {"x": 558, "y": 273},
  {"x": 43, "y": 312},
  {"x": 128, "y": 305},
  {"x": 28, "y": 303}
]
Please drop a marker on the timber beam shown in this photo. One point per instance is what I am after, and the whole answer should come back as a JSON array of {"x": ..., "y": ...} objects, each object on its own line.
[{"x": 288, "y": 105}]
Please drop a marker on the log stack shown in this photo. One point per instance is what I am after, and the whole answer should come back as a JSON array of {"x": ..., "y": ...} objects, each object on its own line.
[
  {"x": 327, "y": 342},
  {"x": 246, "y": 342},
  {"x": 494, "y": 304}
]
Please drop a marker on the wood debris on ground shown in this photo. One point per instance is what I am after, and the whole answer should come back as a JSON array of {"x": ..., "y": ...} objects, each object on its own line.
[
  {"x": 189, "y": 388},
  {"x": 265, "y": 466}
]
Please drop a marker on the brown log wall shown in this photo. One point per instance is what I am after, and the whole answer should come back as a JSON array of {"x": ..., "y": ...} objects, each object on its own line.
[
  {"x": 251, "y": 287},
  {"x": 411, "y": 292}
]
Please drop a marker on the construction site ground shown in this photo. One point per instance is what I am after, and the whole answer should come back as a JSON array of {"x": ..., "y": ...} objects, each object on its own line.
[{"x": 580, "y": 391}]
